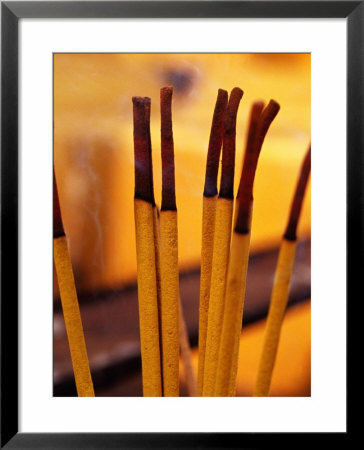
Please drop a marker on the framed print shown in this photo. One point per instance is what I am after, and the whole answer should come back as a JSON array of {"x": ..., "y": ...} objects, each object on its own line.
[{"x": 112, "y": 110}]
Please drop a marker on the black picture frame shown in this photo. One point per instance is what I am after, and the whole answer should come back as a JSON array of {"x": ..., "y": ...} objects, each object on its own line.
[{"x": 11, "y": 12}]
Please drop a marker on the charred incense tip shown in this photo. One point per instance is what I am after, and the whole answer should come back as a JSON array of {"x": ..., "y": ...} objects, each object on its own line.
[
  {"x": 251, "y": 152},
  {"x": 58, "y": 229},
  {"x": 255, "y": 114},
  {"x": 147, "y": 103},
  {"x": 268, "y": 115},
  {"x": 168, "y": 182},
  {"x": 291, "y": 230},
  {"x": 142, "y": 157},
  {"x": 228, "y": 151},
  {"x": 221, "y": 93},
  {"x": 245, "y": 192},
  {"x": 215, "y": 142}
]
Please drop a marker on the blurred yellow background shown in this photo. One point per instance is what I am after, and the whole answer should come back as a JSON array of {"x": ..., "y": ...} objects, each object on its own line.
[{"x": 93, "y": 148}]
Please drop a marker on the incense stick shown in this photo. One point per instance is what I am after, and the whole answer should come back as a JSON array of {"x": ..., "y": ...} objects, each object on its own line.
[
  {"x": 281, "y": 285},
  {"x": 185, "y": 348},
  {"x": 245, "y": 204},
  {"x": 221, "y": 246},
  {"x": 169, "y": 253},
  {"x": 146, "y": 257},
  {"x": 70, "y": 307},
  {"x": 156, "y": 231},
  {"x": 208, "y": 225}
]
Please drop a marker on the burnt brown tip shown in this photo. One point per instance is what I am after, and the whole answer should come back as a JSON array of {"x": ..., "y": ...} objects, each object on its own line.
[
  {"x": 291, "y": 230},
  {"x": 147, "y": 103},
  {"x": 228, "y": 150},
  {"x": 58, "y": 229},
  {"x": 142, "y": 151},
  {"x": 247, "y": 181},
  {"x": 267, "y": 117},
  {"x": 215, "y": 142},
  {"x": 245, "y": 192},
  {"x": 168, "y": 181}
]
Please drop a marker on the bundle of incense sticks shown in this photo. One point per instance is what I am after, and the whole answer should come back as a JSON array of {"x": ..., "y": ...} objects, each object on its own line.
[
  {"x": 224, "y": 255},
  {"x": 226, "y": 371},
  {"x": 70, "y": 307},
  {"x": 160, "y": 312},
  {"x": 224, "y": 258},
  {"x": 221, "y": 244},
  {"x": 224, "y": 261}
]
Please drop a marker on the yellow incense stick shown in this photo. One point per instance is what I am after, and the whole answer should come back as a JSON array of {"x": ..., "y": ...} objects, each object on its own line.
[
  {"x": 275, "y": 316},
  {"x": 70, "y": 307},
  {"x": 169, "y": 254},
  {"x": 185, "y": 348},
  {"x": 169, "y": 302},
  {"x": 145, "y": 248},
  {"x": 281, "y": 286},
  {"x": 208, "y": 225},
  {"x": 221, "y": 246},
  {"x": 156, "y": 230},
  {"x": 147, "y": 298},
  {"x": 183, "y": 334},
  {"x": 239, "y": 256},
  {"x": 156, "y": 233}
]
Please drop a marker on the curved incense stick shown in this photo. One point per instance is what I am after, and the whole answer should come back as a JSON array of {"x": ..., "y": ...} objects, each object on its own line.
[
  {"x": 70, "y": 307},
  {"x": 208, "y": 224},
  {"x": 281, "y": 286},
  {"x": 260, "y": 122},
  {"x": 238, "y": 265},
  {"x": 146, "y": 253},
  {"x": 221, "y": 246},
  {"x": 169, "y": 254}
]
